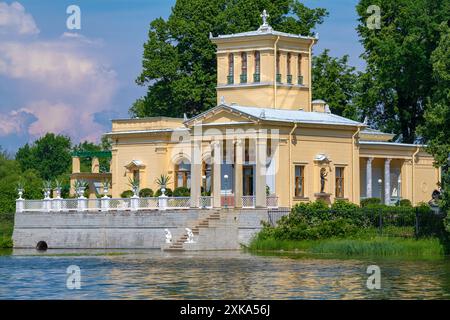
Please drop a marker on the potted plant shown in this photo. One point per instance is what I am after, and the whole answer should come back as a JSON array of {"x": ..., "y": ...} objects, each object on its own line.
[
  {"x": 58, "y": 188},
  {"x": 162, "y": 182},
  {"x": 47, "y": 188},
  {"x": 80, "y": 186},
  {"x": 20, "y": 189},
  {"x": 134, "y": 184},
  {"x": 106, "y": 184}
]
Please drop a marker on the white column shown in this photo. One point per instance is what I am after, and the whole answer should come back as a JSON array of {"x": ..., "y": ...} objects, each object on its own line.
[
  {"x": 387, "y": 181},
  {"x": 261, "y": 171},
  {"x": 238, "y": 192},
  {"x": 196, "y": 173},
  {"x": 217, "y": 175},
  {"x": 369, "y": 177}
]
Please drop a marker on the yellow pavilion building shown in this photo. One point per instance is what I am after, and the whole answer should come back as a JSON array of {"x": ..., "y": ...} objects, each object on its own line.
[{"x": 267, "y": 143}]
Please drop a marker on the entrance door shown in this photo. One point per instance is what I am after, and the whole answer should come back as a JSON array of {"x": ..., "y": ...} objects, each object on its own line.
[{"x": 248, "y": 180}]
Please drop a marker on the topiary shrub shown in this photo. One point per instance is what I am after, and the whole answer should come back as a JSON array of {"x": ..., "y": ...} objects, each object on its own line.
[
  {"x": 181, "y": 192},
  {"x": 370, "y": 201},
  {"x": 405, "y": 203},
  {"x": 146, "y": 193},
  {"x": 168, "y": 192},
  {"x": 127, "y": 194},
  {"x": 348, "y": 210}
]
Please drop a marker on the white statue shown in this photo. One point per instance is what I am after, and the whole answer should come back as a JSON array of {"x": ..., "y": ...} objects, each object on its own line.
[
  {"x": 190, "y": 235},
  {"x": 168, "y": 236}
]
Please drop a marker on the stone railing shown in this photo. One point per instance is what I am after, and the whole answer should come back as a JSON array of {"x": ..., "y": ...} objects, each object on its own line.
[
  {"x": 103, "y": 204},
  {"x": 248, "y": 202}
]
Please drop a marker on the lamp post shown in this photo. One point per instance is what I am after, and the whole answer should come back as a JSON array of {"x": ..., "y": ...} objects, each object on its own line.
[
  {"x": 226, "y": 190},
  {"x": 380, "y": 184}
]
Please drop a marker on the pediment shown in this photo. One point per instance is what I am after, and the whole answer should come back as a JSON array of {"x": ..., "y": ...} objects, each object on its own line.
[{"x": 221, "y": 115}]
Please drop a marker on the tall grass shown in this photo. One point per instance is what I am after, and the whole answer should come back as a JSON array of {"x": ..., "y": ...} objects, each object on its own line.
[
  {"x": 377, "y": 246},
  {"x": 380, "y": 247}
]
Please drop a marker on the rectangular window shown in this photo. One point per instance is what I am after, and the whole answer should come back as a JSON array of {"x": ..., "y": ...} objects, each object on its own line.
[
  {"x": 339, "y": 182},
  {"x": 247, "y": 150},
  {"x": 299, "y": 181}
]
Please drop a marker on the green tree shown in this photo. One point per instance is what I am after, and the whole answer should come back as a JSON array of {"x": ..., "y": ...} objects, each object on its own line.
[
  {"x": 399, "y": 77},
  {"x": 335, "y": 82},
  {"x": 10, "y": 176},
  {"x": 179, "y": 61},
  {"x": 435, "y": 130},
  {"x": 49, "y": 156}
]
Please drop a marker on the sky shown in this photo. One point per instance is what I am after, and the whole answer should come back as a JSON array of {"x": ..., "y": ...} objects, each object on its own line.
[{"x": 74, "y": 82}]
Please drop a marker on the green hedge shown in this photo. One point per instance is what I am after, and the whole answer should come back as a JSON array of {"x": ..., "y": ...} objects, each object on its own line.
[
  {"x": 181, "y": 192},
  {"x": 317, "y": 220},
  {"x": 146, "y": 193}
]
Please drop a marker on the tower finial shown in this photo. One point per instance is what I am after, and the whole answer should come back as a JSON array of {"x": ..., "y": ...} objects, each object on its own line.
[{"x": 264, "y": 16}]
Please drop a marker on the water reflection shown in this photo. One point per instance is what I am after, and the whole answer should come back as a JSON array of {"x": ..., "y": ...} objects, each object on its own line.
[{"x": 217, "y": 275}]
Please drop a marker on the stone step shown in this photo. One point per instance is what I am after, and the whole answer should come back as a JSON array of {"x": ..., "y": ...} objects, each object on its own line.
[{"x": 175, "y": 249}]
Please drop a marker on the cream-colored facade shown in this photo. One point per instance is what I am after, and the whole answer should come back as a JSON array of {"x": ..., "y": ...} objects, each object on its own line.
[{"x": 267, "y": 143}]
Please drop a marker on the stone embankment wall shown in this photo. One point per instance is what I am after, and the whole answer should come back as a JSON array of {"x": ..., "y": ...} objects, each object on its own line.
[{"x": 134, "y": 230}]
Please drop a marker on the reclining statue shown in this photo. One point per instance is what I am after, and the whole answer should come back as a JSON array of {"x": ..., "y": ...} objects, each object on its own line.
[
  {"x": 168, "y": 236},
  {"x": 190, "y": 235}
]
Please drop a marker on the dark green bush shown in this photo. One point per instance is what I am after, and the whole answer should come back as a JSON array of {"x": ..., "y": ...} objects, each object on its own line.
[
  {"x": 168, "y": 192},
  {"x": 146, "y": 193},
  {"x": 370, "y": 201},
  {"x": 181, "y": 192},
  {"x": 126, "y": 194},
  {"x": 405, "y": 203}
]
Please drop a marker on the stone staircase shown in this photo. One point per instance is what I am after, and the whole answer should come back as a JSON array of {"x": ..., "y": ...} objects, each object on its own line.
[{"x": 202, "y": 224}]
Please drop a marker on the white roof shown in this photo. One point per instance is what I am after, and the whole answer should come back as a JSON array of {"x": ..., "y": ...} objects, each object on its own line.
[
  {"x": 396, "y": 144},
  {"x": 299, "y": 116},
  {"x": 262, "y": 32}
]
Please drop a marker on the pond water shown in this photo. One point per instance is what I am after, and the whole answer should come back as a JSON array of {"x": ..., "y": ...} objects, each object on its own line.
[{"x": 216, "y": 275}]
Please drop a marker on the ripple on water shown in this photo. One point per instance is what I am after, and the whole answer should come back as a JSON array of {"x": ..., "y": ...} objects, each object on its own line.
[{"x": 219, "y": 275}]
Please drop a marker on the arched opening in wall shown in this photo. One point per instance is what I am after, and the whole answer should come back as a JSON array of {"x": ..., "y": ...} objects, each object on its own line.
[
  {"x": 244, "y": 67},
  {"x": 230, "y": 68},
  {"x": 257, "y": 74},
  {"x": 206, "y": 177},
  {"x": 183, "y": 174},
  {"x": 41, "y": 246},
  {"x": 299, "y": 70}
]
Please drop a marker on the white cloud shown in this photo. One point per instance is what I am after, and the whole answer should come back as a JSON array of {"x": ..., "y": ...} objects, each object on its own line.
[
  {"x": 67, "y": 84},
  {"x": 14, "y": 20},
  {"x": 14, "y": 122}
]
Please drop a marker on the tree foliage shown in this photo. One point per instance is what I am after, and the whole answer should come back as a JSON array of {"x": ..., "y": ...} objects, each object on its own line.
[
  {"x": 10, "y": 175},
  {"x": 399, "y": 79},
  {"x": 49, "y": 156},
  {"x": 179, "y": 62},
  {"x": 435, "y": 130},
  {"x": 334, "y": 81}
]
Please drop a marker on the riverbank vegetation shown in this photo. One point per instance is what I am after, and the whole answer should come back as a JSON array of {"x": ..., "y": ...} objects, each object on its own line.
[
  {"x": 347, "y": 229},
  {"x": 6, "y": 230}
]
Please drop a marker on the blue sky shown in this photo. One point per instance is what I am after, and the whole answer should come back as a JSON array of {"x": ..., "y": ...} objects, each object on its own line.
[{"x": 42, "y": 88}]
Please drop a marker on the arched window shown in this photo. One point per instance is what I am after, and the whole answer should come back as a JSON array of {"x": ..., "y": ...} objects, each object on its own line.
[
  {"x": 183, "y": 174},
  {"x": 244, "y": 67},
  {"x": 278, "y": 67},
  {"x": 230, "y": 68},
  {"x": 257, "y": 75},
  {"x": 288, "y": 68},
  {"x": 299, "y": 69}
]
